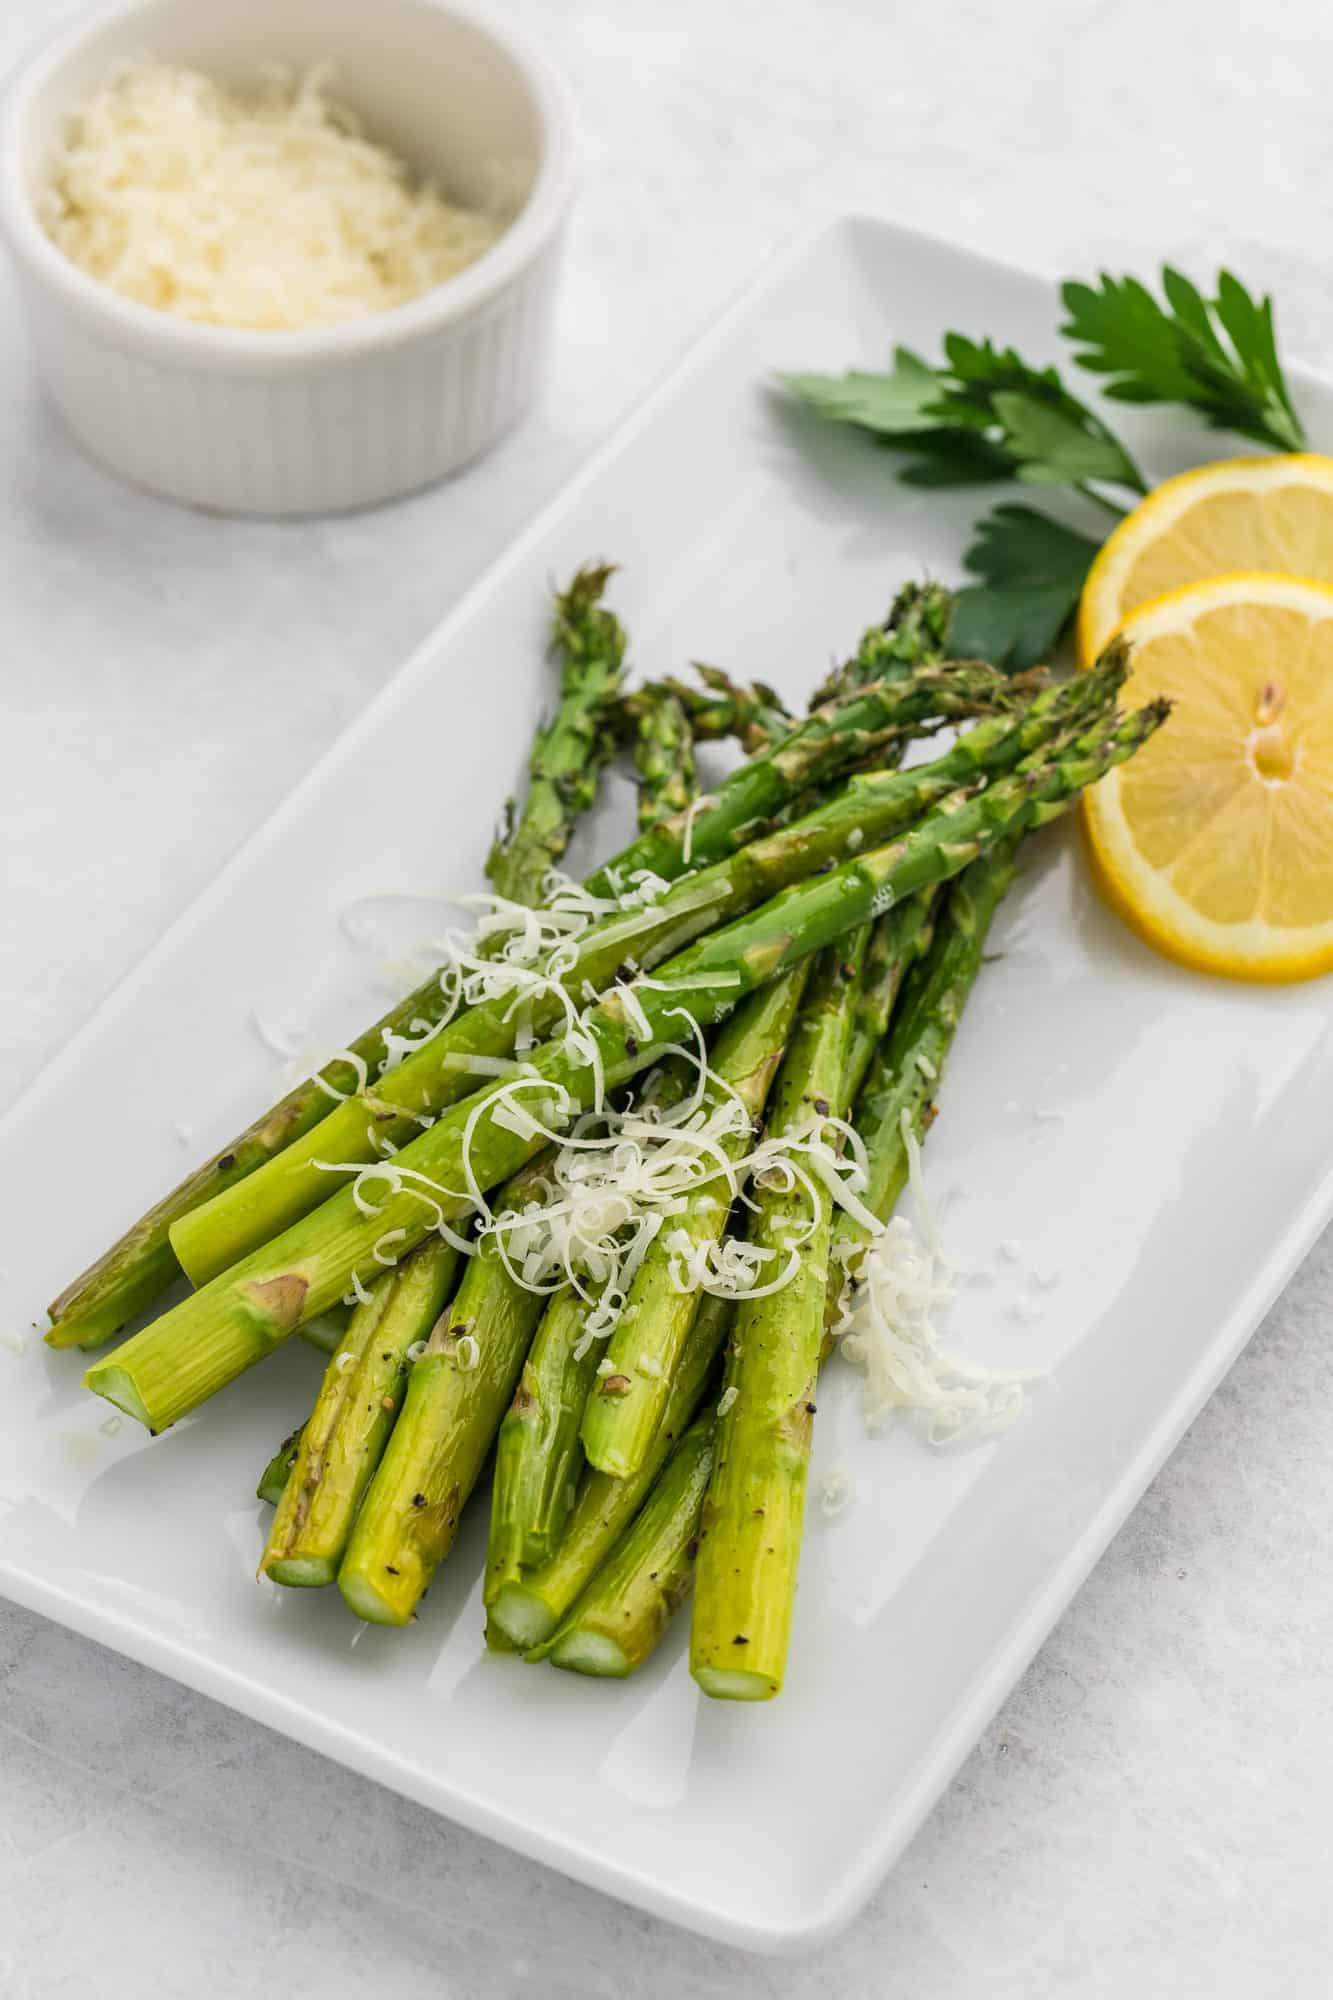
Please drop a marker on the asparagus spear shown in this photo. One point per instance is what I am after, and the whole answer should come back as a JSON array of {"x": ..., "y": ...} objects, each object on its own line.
[
  {"x": 898, "y": 1093},
  {"x": 754, "y": 714},
  {"x": 916, "y": 630},
  {"x": 325, "y": 1334},
  {"x": 663, "y": 757},
  {"x": 273, "y": 1479},
  {"x": 456, "y": 1395},
  {"x": 172, "y": 1366},
  {"x": 526, "y": 1610},
  {"x": 630, "y": 1602},
  {"x": 867, "y": 809},
  {"x": 569, "y": 751},
  {"x": 538, "y": 1456},
  {"x": 141, "y": 1264},
  {"x": 899, "y": 938},
  {"x": 345, "y": 1435},
  {"x": 751, "y": 1525},
  {"x": 625, "y": 1408}
]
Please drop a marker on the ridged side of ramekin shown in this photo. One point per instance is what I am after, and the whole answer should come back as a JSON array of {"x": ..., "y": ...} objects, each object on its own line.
[{"x": 343, "y": 432}]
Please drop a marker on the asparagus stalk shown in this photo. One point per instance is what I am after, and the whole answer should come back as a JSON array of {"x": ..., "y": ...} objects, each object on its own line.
[
  {"x": 625, "y": 1408},
  {"x": 899, "y": 938},
  {"x": 663, "y": 757},
  {"x": 867, "y": 809},
  {"x": 916, "y": 630},
  {"x": 527, "y": 1610},
  {"x": 751, "y": 1526},
  {"x": 273, "y": 1479},
  {"x": 630, "y": 1602},
  {"x": 142, "y": 1263},
  {"x": 344, "y": 1438},
  {"x": 172, "y": 1366},
  {"x": 456, "y": 1395},
  {"x": 538, "y": 1456},
  {"x": 898, "y": 1094},
  {"x": 325, "y": 1334},
  {"x": 753, "y": 713},
  {"x": 569, "y": 752}
]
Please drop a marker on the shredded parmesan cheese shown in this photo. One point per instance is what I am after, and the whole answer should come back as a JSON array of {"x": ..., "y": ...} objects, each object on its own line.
[
  {"x": 268, "y": 211},
  {"x": 887, "y": 1330}
]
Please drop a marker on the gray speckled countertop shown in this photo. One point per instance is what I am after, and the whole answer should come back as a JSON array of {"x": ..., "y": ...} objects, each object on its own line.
[{"x": 1151, "y": 1812}]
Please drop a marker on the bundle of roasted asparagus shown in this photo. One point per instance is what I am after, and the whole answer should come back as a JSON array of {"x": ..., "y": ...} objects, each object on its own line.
[{"x": 601, "y": 1192}]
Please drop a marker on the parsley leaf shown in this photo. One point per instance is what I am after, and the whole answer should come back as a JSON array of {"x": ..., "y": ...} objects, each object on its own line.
[
  {"x": 1032, "y": 570},
  {"x": 983, "y": 414},
  {"x": 1217, "y": 356},
  {"x": 893, "y": 405}
]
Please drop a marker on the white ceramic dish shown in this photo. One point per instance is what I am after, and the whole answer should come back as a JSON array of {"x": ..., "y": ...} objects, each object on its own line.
[
  {"x": 298, "y": 423},
  {"x": 1185, "y": 1175}
]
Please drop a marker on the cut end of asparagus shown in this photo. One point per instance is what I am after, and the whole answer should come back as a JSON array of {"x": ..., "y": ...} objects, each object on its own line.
[
  {"x": 525, "y": 1619},
  {"x": 116, "y": 1385},
  {"x": 301, "y": 1572},
  {"x": 368, "y": 1601},
  {"x": 732, "y": 1684},
  {"x": 87, "y": 1332},
  {"x": 603, "y": 1456},
  {"x": 582, "y": 1652}
]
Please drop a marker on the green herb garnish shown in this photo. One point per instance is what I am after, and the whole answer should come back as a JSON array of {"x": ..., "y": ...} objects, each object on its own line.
[
  {"x": 1217, "y": 356},
  {"x": 985, "y": 415}
]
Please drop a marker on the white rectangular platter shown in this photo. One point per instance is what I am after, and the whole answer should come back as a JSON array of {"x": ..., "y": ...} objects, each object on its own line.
[{"x": 1181, "y": 1170}]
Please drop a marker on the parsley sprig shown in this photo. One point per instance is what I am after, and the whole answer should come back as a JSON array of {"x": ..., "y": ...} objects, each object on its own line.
[
  {"x": 983, "y": 415},
  {"x": 1218, "y": 356}
]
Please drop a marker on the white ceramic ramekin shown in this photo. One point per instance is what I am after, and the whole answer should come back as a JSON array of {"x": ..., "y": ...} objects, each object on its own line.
[{"x": 297, "y": 423}]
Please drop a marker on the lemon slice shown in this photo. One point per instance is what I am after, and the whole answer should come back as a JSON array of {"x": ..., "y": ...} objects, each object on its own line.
[
  {"x": 1241, "y": 514},
  {"x": 1216, "y": 841}
]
